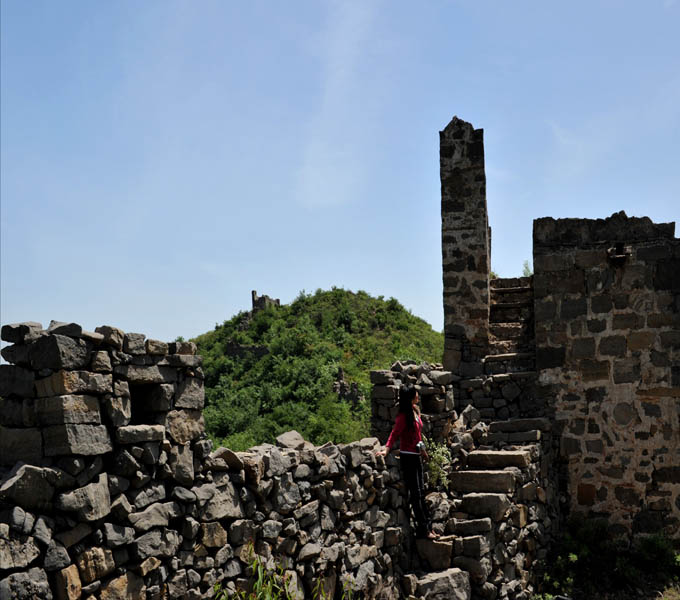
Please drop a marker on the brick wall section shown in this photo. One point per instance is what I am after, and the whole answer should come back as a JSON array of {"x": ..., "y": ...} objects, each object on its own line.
[
  {"x": 607, "y": 313},
  {"x": 465, "y": 247}
]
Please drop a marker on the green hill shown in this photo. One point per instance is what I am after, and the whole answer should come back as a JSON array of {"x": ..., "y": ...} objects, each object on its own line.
[{"x": 275, "y": 371}]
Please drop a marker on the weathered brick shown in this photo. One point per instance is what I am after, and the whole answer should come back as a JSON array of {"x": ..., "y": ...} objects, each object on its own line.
[
  {"x": 601, "y": 304},
  {"x": 659, "y": 320},
  {"x": 627, "y": 321},
  {"x": 613, "y": 345},
  {"x": 626, "y": 371},
  {"x": 586, "y": 494},
  {"x": 583, "y": 348},
  {"x": 596, "y": 325},
  {"x": 593, "y": 370},
  {"x": 570, "y": 309},
  {"x": 641, "y": 340}
]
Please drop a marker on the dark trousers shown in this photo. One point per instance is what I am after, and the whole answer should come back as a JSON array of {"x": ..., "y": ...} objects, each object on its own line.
[{"x": 412, "y": 471}]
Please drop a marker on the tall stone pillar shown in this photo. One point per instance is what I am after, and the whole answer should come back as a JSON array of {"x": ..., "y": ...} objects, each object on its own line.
[{"x": 465, "y": 247}]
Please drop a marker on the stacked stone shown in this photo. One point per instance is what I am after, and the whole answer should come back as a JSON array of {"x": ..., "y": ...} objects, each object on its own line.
[
  {"x": 502, "y": 396},
  {"x": 466, "y": 247},
  {"x": 109, "y": 490},
  {"x": 607, "y": 301},
  {"x": 99, "y": 442},
  {"x": 435, "y": 387}
]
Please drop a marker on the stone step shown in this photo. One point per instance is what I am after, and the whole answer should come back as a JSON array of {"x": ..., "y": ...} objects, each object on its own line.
[
  {"x": 508, "y": 356},
  {"x": 516, "y": 437},
  {"x": 505, "y": 282},
  {"x": 518, "y": 376},
  {"x": 520, "y": 425},
  {"x": 516, "y": 304},
  {"x": 485, "y": 505},
  {"x": 498, "y": 459},
  {"x": 467, "y": 527},
  {"x": 513, "y": 314},
  {"x": 502, "y": 482},
  {"x": 511, "y": 290},
  {"x": 509, "y": 331}
]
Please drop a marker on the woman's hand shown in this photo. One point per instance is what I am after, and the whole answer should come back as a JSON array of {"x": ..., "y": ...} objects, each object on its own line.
[
  {"x": 381, "y": 452},
  {"x": 425, "y": 455}
]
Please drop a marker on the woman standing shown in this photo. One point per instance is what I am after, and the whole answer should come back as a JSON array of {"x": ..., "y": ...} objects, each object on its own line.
[{"x": 407, "y": 428}]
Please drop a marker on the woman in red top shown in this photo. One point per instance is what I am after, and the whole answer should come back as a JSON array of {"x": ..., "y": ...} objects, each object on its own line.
[{"x": 407, "y": 429}]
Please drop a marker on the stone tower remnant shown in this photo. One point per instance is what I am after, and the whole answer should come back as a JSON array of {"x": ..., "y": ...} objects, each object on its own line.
[{"x": 465, "y": 247}]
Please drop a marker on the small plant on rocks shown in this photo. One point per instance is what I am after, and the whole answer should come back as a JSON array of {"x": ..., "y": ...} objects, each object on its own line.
[{"x": 439, "y": 465}]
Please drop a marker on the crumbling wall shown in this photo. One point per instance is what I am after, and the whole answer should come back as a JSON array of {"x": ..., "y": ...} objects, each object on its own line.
[
  {"x": 108, "y": 488},
  {"x": 607, "y": 313}
]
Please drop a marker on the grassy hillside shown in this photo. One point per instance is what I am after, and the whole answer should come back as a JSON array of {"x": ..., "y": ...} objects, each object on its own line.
[{"x": 251, "y": 399}]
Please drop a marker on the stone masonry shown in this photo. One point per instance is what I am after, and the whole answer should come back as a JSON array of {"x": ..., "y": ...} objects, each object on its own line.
[
  {"x": 465, "y": 247},
  {"x": 109, "y": 488},
  {"x": 607, "y": 298},
  {"x": 590, "y": 341}
]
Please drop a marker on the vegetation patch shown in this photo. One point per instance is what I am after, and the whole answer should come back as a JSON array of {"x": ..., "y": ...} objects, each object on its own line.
[
  {"x": 282, "y": 378},
  {"x": 587, "y": 563}
]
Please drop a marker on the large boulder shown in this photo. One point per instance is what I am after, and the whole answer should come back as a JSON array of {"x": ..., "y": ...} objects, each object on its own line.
[{"x": 452, "y": 584}]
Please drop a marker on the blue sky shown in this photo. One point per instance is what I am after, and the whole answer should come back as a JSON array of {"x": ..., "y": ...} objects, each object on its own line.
[{"x": 162, "y": 159}]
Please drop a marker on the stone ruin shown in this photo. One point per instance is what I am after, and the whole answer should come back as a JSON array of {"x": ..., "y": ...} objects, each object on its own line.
[{"x": 557, "y": 394}]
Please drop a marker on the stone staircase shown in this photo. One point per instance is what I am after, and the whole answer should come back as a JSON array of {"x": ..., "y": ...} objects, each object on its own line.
[
  {"x": 492, "y": 495},
  {"x": 505, "y": 389},
  {"x": 511, "y": 327}
]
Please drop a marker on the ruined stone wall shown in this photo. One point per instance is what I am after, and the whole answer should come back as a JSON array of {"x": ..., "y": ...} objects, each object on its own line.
[
  {"x": 109, "y": 489},
  {"x": 607, "y": 314},
  {"x": 465, "y": 247}
]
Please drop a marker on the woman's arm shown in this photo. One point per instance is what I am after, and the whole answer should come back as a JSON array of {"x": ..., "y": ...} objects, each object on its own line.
[{"x": 399, "y": 424}]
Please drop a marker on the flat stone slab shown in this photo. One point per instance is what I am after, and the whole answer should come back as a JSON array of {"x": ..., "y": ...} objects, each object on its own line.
[
  {"x": 60, "y": 410},
  {"x": 515, "y": 425},
  {"x": 498, "y": 459},
  {"x": 482, "y": 481},
  {"x": 133, "y": 434},
  {"x": 70, "y": 439},
  {"x": 485, "y": 505}
]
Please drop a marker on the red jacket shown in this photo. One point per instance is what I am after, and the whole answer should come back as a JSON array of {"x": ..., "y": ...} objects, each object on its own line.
[{"x": 409, "y": 437}]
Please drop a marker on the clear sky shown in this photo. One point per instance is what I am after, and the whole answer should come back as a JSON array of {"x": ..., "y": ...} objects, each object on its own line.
[{"x": 161, "y": 159}]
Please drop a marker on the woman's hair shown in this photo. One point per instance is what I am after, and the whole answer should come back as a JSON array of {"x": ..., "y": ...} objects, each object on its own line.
[{"x": 406, "y": 396}]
